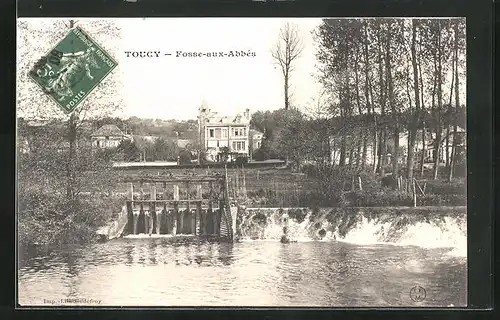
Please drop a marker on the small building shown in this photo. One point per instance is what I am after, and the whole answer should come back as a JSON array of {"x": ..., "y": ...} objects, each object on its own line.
[
  {"x": 219, "y": 132},
  {"x": 255, "y": 141},
  {"x": 426, "y": 145},
  {"x": 109, "y": 136}
]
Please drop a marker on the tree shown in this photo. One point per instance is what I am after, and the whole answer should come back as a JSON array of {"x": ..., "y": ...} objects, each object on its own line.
[
  {"x": 36, "y": 37},
  {"x": 415, "y": 115},
  {"x": 459, "y": 43},
  {"x": 66, "y": 174},
  {"x": 128, "y": 151},
  {"x": 388, "y": 77},
  {"x": 224, "y": 153},
  {"x": 185, "y": 157},
  {"x": 288, "y": 48}
]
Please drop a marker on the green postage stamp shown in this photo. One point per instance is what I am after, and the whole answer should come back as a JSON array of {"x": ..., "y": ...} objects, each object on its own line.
[{"x": 72, "y": 69}]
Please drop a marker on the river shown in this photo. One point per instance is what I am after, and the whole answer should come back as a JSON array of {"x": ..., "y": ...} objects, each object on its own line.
[{"x": 157, "y": 271}]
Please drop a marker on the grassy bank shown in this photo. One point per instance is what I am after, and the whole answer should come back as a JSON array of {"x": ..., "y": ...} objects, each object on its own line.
[
  {"x": 52, "y": 220},
  {"x": 55, "y": 208}
]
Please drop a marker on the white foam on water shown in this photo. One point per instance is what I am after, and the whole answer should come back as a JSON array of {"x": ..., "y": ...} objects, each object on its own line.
[
  {"x": 449, "y": 234},
  {"x": 429, "y": 235},
  {"x": 365, "y": 233}
]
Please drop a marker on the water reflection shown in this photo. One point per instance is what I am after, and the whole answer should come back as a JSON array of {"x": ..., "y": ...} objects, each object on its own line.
[{"x": 165, "y": 272}]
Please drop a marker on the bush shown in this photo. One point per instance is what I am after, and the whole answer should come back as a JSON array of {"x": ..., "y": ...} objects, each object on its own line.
[
  {"x": 239, "y": 161},
  {"x": 456, "y": 186},
  {"x": 185, "y": 157},
  {"x": 54, "y": 220}
]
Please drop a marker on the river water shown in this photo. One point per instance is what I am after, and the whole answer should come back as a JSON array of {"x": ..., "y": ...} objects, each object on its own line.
[{"x": 154, "y": 271}]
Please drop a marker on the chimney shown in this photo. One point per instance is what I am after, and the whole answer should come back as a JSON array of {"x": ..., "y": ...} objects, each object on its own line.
[{"x": 247, "y": 114}]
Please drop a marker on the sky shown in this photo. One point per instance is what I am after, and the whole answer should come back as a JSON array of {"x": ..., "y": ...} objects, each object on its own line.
[{"x": 171, "y": 87}]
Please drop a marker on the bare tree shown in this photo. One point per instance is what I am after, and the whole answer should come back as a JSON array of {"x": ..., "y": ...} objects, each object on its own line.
[
  {"x": 35, "y": 38},
  {"x": 288, "y": 48}
]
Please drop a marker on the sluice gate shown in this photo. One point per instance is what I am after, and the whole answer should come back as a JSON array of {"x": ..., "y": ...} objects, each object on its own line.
[{"x": 182, "y": 205}]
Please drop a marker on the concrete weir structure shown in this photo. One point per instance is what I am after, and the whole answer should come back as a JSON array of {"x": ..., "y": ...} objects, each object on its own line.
[{"x": 182, "y": 205}]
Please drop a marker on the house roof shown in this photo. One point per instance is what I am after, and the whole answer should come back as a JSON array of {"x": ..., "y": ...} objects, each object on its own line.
[
  {"x": 226, "y": 120},
  {"x": 107, "y": 130},
  {"x": 255, "y": 132}
]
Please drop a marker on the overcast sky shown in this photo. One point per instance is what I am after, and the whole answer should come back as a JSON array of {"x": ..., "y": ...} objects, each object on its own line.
[{"x": 170, "y": 87}]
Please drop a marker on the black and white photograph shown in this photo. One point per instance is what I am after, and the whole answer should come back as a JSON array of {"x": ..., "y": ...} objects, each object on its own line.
[{"x": 241, "y": 162}]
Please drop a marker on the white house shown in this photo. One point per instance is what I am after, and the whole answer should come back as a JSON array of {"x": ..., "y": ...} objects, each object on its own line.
[
  {"x": 108, "y": 136},
  {"x": 335, "y": 143},
  {"x": 216, "y": 132}
]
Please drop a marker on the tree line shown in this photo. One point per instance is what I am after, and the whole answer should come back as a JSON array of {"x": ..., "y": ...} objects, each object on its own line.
[
  {"x": 404, "y": 75},
  {"x": 381, "y": 79}
]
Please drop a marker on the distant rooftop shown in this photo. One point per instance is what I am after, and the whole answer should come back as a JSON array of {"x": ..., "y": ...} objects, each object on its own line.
[
  {"x": 255, "y": 132},
  {"x": 108, "y": 130}
]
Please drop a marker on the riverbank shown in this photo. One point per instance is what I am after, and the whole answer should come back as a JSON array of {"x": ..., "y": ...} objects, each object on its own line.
[{"x": 47, "y": 221}]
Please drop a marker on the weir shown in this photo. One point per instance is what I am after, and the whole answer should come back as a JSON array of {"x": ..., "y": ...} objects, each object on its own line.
[{"x": 181, "y": 205}]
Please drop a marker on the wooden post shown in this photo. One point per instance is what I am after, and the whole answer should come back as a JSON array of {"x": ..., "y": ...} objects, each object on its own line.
[
  {"x": 244, "y": 184},
  {"x": 176, "y": 193},
  {"x": 141, "y": 220},
  {"x": 136, "y": 220},
  {"x": 175, "y": 219},
  {"x": 193, "y": 222},
  {"x": 209, "y": 217},
  {"x": 188, "y": 219},
  {"x": 414, "y": 194},
  {"x": 150, "y": 223},
  {"x": 179, "y": 213},
  {"x": 147, "y": 220},
  {"x": 131, "y": 191},
  {"x": 152, "y": 211},
  {"x": 164, "y": 219},
  {"x": 199, "y": 214},
  {"x": 199, "y": 192},
  {"x": 162, "y": 225},
  {"x": 130, "y": 218},
  {"x": 218, "y": 217},
  {"x": 419, "y": 188},
  {"x": 237, "y": 183}
]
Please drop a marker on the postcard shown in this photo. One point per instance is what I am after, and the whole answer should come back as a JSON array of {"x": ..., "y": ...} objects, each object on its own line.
[{"x": 255, "y": 162}]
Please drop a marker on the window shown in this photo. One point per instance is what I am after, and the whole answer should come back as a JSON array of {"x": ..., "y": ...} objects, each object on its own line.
[
  {"x": 224, "y": 133},
  {"x": 217, "y": 143},
  {"x": 218, "y": 133},
  {"x": 239, "y": 132},
  {"x": 239, "y": 145},
  {"x": 107, "y": 137},
  {"x": 211, "y": 132}
]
